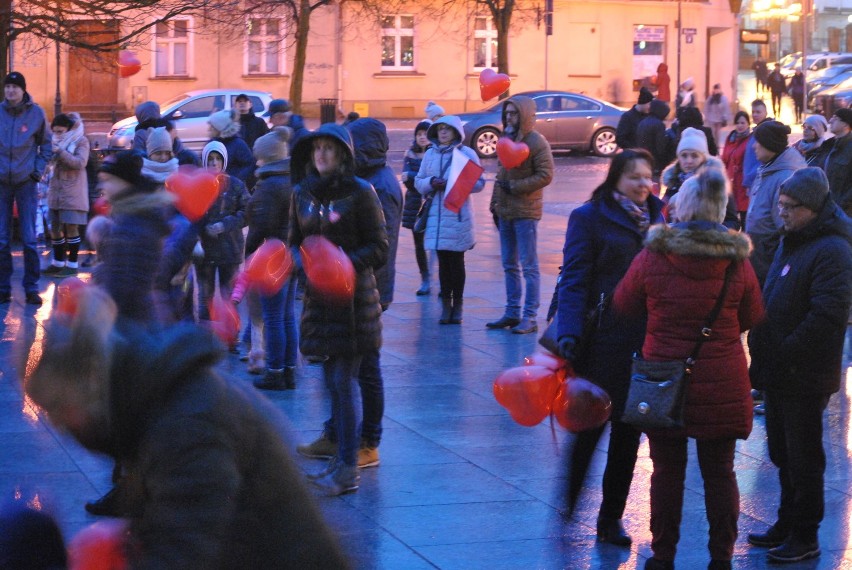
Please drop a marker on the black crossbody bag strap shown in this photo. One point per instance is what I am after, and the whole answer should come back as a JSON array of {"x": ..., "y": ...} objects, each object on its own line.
[{"x": 708, "y": 324}]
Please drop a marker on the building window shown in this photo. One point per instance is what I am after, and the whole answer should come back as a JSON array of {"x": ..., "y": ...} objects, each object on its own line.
[
  {"x": 398, "y": 42},
  {"x": 649, "y": 44},
  {"x": 173, "y": 46},
  {"x": 484, "y": 43},
  {"x": 265, "y": 46}
]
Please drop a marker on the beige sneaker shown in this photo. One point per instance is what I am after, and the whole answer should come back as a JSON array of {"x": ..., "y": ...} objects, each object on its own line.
[
  {"x": 322, "y": 448},
  {"x": 368, "y": 457}
]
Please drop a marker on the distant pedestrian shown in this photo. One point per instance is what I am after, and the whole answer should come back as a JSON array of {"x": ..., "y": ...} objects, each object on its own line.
[
  {"x": 351, "y": 117},
  {"x": 717, "y": 112},
  {"x": 664, "y": 92},
  {"x": 625, "y": 131},
  {"x": 281, "y": 114},
  {"x": 760, "y": 74},
  {"x": 414, "y": 201},
  {"x": 812, "y": 144},
  {"x": 25, "y": 150},
  {"x": 517, "y": 203},
  {"x": 777, "y": 88},
  {"x": 449, "y": 233},
  {"x": 252, "y": 127},
  {"x": 797, "y": 355},
  {"x": 68, "y": 193},
  {"x": 603, "y": 237},
  {"x": 686, "y": 94},
  {"x": 750, "y": 162},
  {"x": 224, "y": 127},
  {"x": 651, "y": 135},
  {"x": 796, "y": 89},
  {"x": 838, "y": 162},
  {"x": 676, "y": 281},
  {"x": 778, "y": 162},
  {"x": 734, "y": 156}
]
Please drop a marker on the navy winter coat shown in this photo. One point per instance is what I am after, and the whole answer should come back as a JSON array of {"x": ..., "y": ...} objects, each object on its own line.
[
  {"x": 268, "y": 211},
  {"x": 240, "y": 159},
  {"x": 600, "y": 243},
  {"x": 413, "y": 199},
  {"x": 798, "y": 349},
  {"x": 229, "y": 209}
]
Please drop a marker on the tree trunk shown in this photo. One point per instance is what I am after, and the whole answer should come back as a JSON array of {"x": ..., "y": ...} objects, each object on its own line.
[
  {"x": 303, "y": 26},
  {"x": 503, "y": 20},
  {"x": 5, "y": 35}
]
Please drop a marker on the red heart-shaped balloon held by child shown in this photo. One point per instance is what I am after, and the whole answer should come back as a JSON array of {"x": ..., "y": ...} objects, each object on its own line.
[
  {"x": 492, "y": 84},
  {"x": 195, "y": 190},
  {"x": 511, "y": 153},
  {"x": 269, "y": 266}
]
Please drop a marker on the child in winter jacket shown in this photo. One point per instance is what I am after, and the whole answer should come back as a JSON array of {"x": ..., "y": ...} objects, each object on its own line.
[{"x": 413, "y": 200}]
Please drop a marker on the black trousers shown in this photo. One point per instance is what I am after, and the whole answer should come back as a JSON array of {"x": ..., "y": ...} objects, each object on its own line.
[
  {"x": 451, "y": 274},
  {"x": 794, "y": 434}
]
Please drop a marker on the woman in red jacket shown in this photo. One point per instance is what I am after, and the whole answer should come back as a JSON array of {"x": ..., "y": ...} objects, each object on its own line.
[
  {"x": 677, "y": 279},
  {"x": 733, "y": 157}
]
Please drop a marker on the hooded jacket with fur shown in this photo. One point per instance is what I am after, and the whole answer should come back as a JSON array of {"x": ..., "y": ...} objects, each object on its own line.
[
  {"x": 524, "y": 196},
  {"x": 676, "y": 280}
]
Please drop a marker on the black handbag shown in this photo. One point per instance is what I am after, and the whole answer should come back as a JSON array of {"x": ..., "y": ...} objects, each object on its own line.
[
  {"x": 423, "y": 215},
  {"x": 550, "y": 339},
  {"x": 657, "y": 392}
]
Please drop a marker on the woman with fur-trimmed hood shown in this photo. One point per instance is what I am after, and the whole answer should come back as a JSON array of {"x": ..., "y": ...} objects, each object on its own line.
[{"x": 676, "y": 280}]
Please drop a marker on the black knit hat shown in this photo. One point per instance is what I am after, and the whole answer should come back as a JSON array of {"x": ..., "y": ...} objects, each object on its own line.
[
  {"x": 126, "y": 165},
  {"x": 845, "y": 115},
  {"x": 645, "y": 96},
  {"x": 772, "y": 135},
  {"x": 16, "y": 78}
]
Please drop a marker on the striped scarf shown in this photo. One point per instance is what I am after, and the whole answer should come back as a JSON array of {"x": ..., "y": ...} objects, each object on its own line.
[{"x": 639, "y": 214}]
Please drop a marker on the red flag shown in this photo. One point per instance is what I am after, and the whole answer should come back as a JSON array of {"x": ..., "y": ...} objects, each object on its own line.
[{"x": 464, "y": 173}]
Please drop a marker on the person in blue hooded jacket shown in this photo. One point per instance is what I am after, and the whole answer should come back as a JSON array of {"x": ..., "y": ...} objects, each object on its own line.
[{"x": 25, "y": 150}]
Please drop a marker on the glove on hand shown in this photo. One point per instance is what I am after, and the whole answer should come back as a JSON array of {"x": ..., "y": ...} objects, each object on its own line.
[
  {"x": 504, "y": 185},
  {"x": 438, "y": 183},
  {"x": 215, "y": 229},
  {"x": 567, "y": 346}
]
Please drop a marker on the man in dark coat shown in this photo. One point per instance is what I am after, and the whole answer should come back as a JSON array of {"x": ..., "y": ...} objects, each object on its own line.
[
  {"x": 838, "y": 164},
  {"x": 797, "y": 355},
  {"x": 625, "y": 132},
  {"x": 651, "y": 135},
  {"x": 210, "y": 483},
  {"x": 517, "y": 205},
  {"x": 252, "y": 127},
  {"x": 281, "y": 115},
  {"x": 777, "y": 88}
]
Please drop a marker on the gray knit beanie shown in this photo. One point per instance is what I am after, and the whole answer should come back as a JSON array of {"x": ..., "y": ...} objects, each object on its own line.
[
  {"x": 808, "y": 186},
  {"x": 273, "y": 145},
  {"x": 158, "y": 140}
]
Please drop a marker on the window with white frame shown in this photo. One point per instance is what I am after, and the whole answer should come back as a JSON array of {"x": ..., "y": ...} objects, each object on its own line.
[
  {"x": 398, "y": 43},
  {"x": 173, "y": 46},
  {"x": 265, "y": 46},
  {"x": 484, "y": 43}
]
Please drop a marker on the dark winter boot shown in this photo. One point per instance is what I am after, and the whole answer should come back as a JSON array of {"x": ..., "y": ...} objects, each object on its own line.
[
  {"x": 446, "y": 310},
  {"x": 290, "y": 377},
  {"x": 425, "y": 287},
  {"x": 274, "y": 380},
  {"x": 456, "y": 315}
]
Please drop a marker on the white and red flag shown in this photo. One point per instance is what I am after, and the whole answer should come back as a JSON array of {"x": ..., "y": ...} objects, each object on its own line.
[{"x": 464, "y": 173}]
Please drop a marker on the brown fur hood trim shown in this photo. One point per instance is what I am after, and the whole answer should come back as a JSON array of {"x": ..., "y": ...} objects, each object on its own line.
[{"x": 699, "y": 240}]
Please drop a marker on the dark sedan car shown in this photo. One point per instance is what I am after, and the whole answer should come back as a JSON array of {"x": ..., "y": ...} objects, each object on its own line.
[{"x": 569, "y": 121}]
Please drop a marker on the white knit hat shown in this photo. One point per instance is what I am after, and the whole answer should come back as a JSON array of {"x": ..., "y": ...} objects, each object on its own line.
[
  {"x": 693, "y": 139},
  {"x": 224, "y": 121}
]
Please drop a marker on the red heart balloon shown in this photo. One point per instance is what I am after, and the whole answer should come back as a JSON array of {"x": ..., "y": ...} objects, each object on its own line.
[
  {"x": 100, "y": 546},
  {"x": 581, "y": 405},
  {"x": 224, "y": 320},
  {"x": 549, "y": 361},
  {"x": 329, "y": 270},
  {"x": 68, "y": 295},
  {"x": 269, "y": 267},
  {"x": 527, "y": 392},
  {"x": 511, "y": 153},
  {"x": 195, "y": 190},
  {"x": 128, "y": 63},
  {"x": 492, "y": 84},
  {"x": 101, "y": 207}
]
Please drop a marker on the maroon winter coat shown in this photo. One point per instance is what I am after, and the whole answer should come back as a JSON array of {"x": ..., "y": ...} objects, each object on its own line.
[
  {"x": 678, "y": 277},
  {"x": 733, "y": 156}
]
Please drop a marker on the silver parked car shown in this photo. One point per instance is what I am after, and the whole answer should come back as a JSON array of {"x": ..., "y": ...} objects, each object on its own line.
[
  {"x": 569, "y": 121},
  {"x": 189, "y": 113}
]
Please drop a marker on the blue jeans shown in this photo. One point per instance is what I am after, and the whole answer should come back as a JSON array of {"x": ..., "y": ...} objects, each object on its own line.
[
  {"x": 518, "y": 241},
  {"x": 279, "y": 326},
  {"x": 372, "y": 401},
  {"x": 27, "y": 199},
  {"x": 339, "y": 373}
]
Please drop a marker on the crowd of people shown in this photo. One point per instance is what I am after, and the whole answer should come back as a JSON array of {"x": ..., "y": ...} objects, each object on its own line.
[{"x": 675, "y": 225}]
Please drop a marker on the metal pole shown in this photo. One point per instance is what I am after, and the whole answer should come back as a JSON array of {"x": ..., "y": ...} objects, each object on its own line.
[
  {"x": 57, "y": 103},
  {"x": 805, "y": 12},
  {"x": 679, "y": 26}
]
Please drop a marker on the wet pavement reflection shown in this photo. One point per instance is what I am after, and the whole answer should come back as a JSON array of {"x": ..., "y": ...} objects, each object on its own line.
[{"x": 460, "y": 485}]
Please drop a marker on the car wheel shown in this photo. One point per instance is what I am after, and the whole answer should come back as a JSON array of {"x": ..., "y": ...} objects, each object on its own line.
[
  {"x": 603, "y": 143},
  {"x": 485, "y": 142}
]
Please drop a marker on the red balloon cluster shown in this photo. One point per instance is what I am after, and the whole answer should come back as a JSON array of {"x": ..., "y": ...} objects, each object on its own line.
[
  {"x": 194, "y": 189},
  {"x": 100, "y": 546},
  {"x": 68, "y": 296},
  {"x": 492, "y": 84},
  {"x": 329, "y": 270},
  {"x": 128, "y": 63},
  {"x": 269, "y": 267},
  {"x": 224, "y": 320},
  {"x": 102, "y": 207},
  {"x": 511, "y": 153},
  {"x": 544, "y": 386}
]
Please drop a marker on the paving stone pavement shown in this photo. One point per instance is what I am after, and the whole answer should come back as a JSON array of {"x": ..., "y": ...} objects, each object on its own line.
[{"x": 460, "y": 485}]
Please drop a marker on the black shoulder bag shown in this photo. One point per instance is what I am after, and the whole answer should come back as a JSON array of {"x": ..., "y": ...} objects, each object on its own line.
[{"x": 657, "y": 392}]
